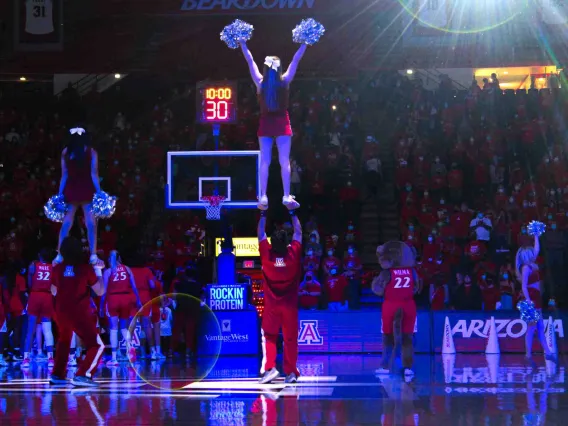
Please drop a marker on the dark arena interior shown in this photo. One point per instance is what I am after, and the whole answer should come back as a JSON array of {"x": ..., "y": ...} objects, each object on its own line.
[{"x": 370, "y": 228}]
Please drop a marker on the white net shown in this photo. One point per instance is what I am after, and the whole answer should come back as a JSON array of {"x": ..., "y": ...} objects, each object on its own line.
[{"x": 213, "y": 206}]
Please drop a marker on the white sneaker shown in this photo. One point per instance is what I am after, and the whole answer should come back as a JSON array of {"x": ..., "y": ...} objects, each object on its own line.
[
  {"x": 382, "y": 371},
  {"x": 408, "y": 372},
  {"x": 58, "y": 259},
  {"x": 269, "y": 376},
  {"x": 263, "y": 201},
  {"x": 290, "y": 202}
]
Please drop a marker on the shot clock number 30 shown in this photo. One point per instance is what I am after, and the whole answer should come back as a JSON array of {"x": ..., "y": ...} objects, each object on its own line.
[{"x": 216, "y": 102}]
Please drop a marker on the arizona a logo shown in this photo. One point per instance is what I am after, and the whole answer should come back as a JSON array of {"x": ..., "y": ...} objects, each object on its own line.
[
  {"x": 309, "y": 333},
  {"x": 280, "y": 262}
]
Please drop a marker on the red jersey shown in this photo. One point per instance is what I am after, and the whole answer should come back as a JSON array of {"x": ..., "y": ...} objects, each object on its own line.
[
  {"x": 401, "y": 284},
  {"x": 336, "y": 286},
  {"x": 119, "y": 281},
  {"x": 73, "y": 286},
  {"x": 142, "y": 278},
  {"x": 281, "y": 274},
  {"x": 331, "y": 262},
  {"x": 41, "y": 280},
  {"x": 309, "y": 301}
]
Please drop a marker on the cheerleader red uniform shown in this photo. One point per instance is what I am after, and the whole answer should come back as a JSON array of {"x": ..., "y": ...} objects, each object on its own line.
[
  {"x": 120, "y": 297},
  {"x": 399, "y": 294},
  {"x": 73, "y": 307},
  {"x": 274, "y": 123},
  {"x": 79, "y": 188},
  {"x": 40, "y": 303},
  {"x": 534, "y": 293},
  {"x": 142, "y": 278}
]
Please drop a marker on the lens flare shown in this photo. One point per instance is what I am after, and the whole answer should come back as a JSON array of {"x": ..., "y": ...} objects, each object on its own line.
[
  {"x": 463, "y": 16},
  {"x": 182, "y": 317}
]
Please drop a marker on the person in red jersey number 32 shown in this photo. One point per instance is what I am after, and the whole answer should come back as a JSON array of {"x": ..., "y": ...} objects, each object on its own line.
[
  {"x": 281, "y": 268},
  {"x": 397, "y": 283},
  {"x": 72, "y": 284}
]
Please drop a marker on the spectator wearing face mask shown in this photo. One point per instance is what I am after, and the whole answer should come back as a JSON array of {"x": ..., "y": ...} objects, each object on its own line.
[
  {"x": 490, "y": 293},
  {"x": 460, "y": 221},
  {"x": 330, "y": 262},
  {"x": 481, "y": 227},
  {"x": 309, "y": 292},
  {"x": 336, "y": 289},
  {"x": 507, "y": 286},
  {"x": 431, "y": 248},
  {"x": 351, "y": 236},
  {"x": 468, "y": 295},
  {"x": 353, "y": 268},
  {"x": 314, "y": 244},
  {"x": 311, "y": 261},
  {"x": 475, "y": 251}
]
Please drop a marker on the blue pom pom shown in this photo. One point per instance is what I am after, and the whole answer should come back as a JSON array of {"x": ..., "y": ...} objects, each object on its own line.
[
  {"x": 528, "y": 312},
  {"x": 536, "y": 228},
  {"x": 233, "y": 34},
  {"x": 309, "y": 31},
  {"x": 103, "y": 205},
  {"x": 55, "y": 209}
]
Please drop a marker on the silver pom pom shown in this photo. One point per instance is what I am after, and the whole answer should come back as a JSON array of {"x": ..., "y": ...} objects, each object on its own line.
[
  {"x": 55, "y": 209},
  {"x": 536, "y": 228},
  {"x": 309, "y": 31},
  {"x": 234, "y": 33},
  {"x": 104, "y": 205}
]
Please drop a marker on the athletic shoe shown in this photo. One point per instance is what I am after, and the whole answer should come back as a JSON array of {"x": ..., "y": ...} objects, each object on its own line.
[
  {"x": 408, "y": 372},
  {"x": 382, "y": 371},
  {"x": 50, "y": 362},
  {"x": 290, "y": 202},
  {"x": 58, "y": 259},
  {"x": 72, "y": 361},
  {"x": 41, "y": 357},
  {"x": 291, "y": 378},
  {"x": 56, "y": 380},
  {"x": 269, "y": 376},
  {"x": 84, "y": 382},
  {"x": 263, "y": 202},
  {"x": 26, "y": 363}
]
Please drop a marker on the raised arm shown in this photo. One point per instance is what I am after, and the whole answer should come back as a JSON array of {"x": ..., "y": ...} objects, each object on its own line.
[
  {"x": 95, "y": 170},
  {"x": 293, "y": 67},
  {"x": 536, "y": 246},
  {"x": 261, "y": 230},
  {"x": 297, "y": 229},
  {"x": 253, "y": 68},
  {"x": 64, "y": 174}
]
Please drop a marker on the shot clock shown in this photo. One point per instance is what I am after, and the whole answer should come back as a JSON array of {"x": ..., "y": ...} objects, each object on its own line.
[{"x": 216, "y": 102}]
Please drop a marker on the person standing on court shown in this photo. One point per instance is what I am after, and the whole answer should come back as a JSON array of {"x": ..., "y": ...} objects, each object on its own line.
[
  {"x": 281, "y": 268},
  {"x": 72, "y": 283}
]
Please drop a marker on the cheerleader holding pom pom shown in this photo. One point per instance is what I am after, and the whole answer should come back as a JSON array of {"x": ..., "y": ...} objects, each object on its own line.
[
  {"x": 79, "y": 183},
  {"x": 531, "y": 308},
  {"x": 273, "y": 87}
]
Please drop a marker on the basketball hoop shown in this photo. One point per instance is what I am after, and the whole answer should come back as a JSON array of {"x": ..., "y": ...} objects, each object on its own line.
[{"x": 213, "y": 204}]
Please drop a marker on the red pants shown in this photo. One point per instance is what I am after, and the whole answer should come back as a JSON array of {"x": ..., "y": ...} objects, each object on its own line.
[
  {"x": 81, "y": 322},
  {"x": 40, "y": 304},
  {"x": 186, "y": 323},
  {"x": 390, "y": 307},
  {"x": 276, "y": 317}
]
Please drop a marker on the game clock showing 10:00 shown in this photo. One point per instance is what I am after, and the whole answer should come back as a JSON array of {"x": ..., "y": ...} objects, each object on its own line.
[{"x": 216, "y": 102}]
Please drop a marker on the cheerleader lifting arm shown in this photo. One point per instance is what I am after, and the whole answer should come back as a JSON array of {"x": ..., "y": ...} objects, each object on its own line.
[
  {"x": 536, "y": 247},
  {"x": 293, "y": 67},
  {"x": 64, "y": 174},
  {"x": 253, "y": 68}
]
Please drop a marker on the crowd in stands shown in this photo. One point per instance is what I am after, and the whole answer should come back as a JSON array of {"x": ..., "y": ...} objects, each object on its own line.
[{"x": 472, "y": 169}]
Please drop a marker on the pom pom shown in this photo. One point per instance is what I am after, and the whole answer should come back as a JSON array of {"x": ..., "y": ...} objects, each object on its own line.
[
  {"x": 233, "y": 34},
  {"x": 528, "y": 312},
  {"x": 103, "y": 205},
  {"x": 309, "y": 31},
  {"x": 536, "y": 228},
  {"x": 55, "y": 209}
]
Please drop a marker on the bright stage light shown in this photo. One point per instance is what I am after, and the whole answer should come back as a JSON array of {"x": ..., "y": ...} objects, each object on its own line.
[
  {"x": 117, "y": 76},
  {"x": 334, "y": 107},
  {"x": 409, "y": 72},
  {"x": 23, "y": 78}
]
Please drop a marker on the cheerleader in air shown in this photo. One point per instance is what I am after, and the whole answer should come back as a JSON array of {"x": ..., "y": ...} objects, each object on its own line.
[
  {"x": 273, "y": 90},
  {"x": 79, "y": 183}
]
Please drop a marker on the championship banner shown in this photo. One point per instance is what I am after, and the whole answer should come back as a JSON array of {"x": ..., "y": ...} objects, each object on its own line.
[
  {"x": 352, "y": 332},
  {"x": 38, "y": 25},
  {"x": 470, "y": 330}
]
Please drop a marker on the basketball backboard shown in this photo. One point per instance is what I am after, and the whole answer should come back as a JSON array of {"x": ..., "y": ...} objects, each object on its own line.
[{"x": 193, "y": 175}]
